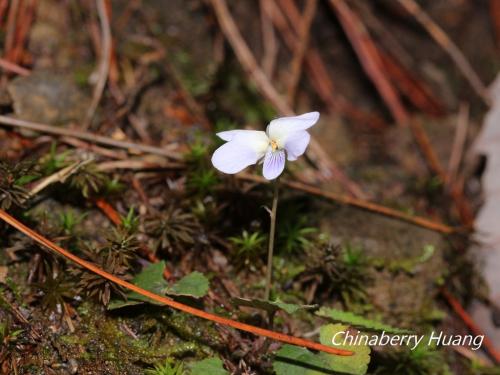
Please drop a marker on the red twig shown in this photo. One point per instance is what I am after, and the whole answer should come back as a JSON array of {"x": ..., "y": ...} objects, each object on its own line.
[
  {"x": 26, "y": 16},
  {"x": 359, "y": 203},
  {"x": 89, "y": 137},
  {"x": 459, "y": 140},
  {"x": 469, "y": 322},
  {"x": 167, "y": 301},
  {"x": 316, "y": 68},
  {"x": 369, "y": 57},
  {"x": 434, "y": 165},
  {"x": 411, "y": 87},
  {"x": 14, "y": 68},
  {"x": 109, "y": 211}
]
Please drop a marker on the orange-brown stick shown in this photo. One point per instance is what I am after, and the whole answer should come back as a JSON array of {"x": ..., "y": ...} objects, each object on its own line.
[
  {"x": 167, "y": 301},
  {"x": 469, "y": 322},
  {"x": 109, "y": 211}
]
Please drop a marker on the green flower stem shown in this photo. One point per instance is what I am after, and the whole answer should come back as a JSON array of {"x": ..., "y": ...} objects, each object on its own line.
[{"x": 270, "y": 249}]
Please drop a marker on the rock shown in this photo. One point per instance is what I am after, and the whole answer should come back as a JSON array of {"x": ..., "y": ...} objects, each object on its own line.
[
  {"x": 407, "y": 282},
  {"x": 47, "y": 97}
]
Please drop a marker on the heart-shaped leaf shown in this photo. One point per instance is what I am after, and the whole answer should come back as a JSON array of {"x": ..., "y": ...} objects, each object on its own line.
[
  {"x": 271, "y": 306},
  {"x": 193, "y": 285},
  {"x": 357, "y": 321}
]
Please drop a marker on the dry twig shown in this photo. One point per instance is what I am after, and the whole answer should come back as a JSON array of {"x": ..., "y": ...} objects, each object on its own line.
[
  {"x": 447, "y": 44},
  {"x": 25, "y": 17},
  {"x": 167, "y": 301},
  {"x": 359, "y": 203},
  {"x": 458, "y": 144},
  {"x": 416, "y": 91},
  {"x": 14, "y": 68},
  {"x": 469, "y": 322},
  {"x": 104, "y": 64},
  {"x": 369, "y": 57},
  {"x": 89, "y": 137},
  {"x": 59, "y": 176}
]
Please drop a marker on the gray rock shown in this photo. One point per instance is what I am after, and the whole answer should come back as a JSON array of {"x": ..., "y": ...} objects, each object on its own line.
[
  {"x": 47, "y": 97},
  {"x": 407, "y": 282}
]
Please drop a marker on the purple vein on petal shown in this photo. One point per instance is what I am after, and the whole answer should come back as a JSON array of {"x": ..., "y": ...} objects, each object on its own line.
[{"x": 274, "y": 163}]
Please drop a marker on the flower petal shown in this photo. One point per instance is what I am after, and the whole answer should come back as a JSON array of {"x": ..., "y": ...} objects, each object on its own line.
[
  {"x": 279, "y": 129},
  {"x": 274, "y": 163},
  {"x": 233, "y": 157},
  {"x": 296, "y": 144},
  {"x": 229, "y": 135}
]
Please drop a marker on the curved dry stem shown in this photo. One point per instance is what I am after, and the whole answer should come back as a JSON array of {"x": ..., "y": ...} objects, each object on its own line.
[{"x": 167, "y": 301}]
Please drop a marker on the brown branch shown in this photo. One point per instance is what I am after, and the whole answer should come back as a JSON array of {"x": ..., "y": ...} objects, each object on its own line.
[
  {"x": 167, "y": 301},
  {"x": 434, "y": 165},
  {"x": 25, "y": 17},
  {"x": 14, "y": 68},
  {"x": 104, "y": 63},
  {"x": 359, "y": 203},
  {"x": 109, "y": 211},
  {"x": 447, "y": 44},
  {"x": 399, "y": 64},
  {"x": 416, "y": 91},
  {"x": 369, "y": 58},
  {"x": 469, "y": 322},
  {"x": 316, "y": 68},
  {"x": 89, "y": 137}
]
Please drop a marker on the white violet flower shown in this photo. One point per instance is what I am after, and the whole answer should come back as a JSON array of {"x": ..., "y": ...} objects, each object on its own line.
[{"x": 285, "y": 137}]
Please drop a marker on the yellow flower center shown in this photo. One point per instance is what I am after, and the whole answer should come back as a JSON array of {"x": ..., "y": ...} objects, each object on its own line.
[{"x": 274, "y": 145}]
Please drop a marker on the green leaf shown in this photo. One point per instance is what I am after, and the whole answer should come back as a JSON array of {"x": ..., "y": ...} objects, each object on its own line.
[
  {"x": 194, "y": 285},
  {"x": 356, "y": 364},
  {"x": 208, "y": 366},
  {"x": 150, "y": 278},
  {"x": 294, "y": 360},
  {"x": 23, "y": 180},
  {"x": 271, "y": 306},
  {"x": 357, "y": 321}
]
